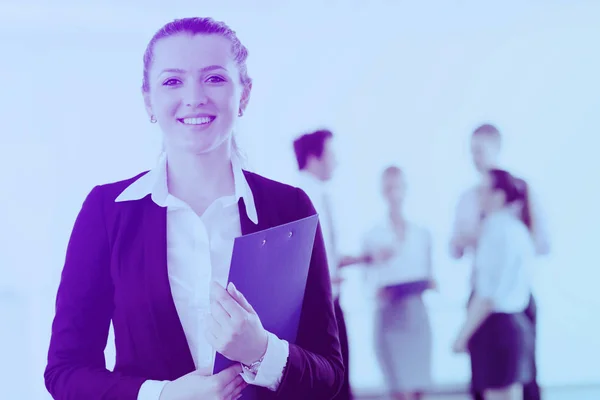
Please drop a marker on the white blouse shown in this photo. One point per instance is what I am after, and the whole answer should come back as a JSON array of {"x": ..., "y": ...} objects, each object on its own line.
[
  {"x": 411, "y": 260},
  {"x": 503, "y": 260}
]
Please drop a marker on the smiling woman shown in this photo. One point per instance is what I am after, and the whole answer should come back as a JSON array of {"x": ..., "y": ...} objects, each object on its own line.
[
  {"x": 152, "y": 253},
  {"x": 172, "y": 78},
  {"x": 173, "y": 81}
]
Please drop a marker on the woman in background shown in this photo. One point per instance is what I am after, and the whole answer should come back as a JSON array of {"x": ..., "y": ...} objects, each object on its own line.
[
  {"x": 401, "y": 252},
  {"x": 497, "y": 333}
]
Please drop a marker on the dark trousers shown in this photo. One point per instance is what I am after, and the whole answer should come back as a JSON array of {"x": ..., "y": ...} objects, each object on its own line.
[
  {"x": 531, "y": 390},
  {"x": 346, "y": 392}
]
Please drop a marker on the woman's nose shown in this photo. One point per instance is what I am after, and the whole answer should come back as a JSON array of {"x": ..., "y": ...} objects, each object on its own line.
[{"x": 195, "y": 96}]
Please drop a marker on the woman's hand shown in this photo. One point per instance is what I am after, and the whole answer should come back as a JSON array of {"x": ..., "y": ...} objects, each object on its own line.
[
  {"x": 433, "y": 285},
  {"x": 460, "y": 345},
  {"x": 337, "y": 280},
  {"x": 385, "y": 294},
  {"x": 226, "y": 385},
  {"x": 382, "y": 255},
  {"x": 462, "y": 242},
  {"x": 233, "y": 327}
]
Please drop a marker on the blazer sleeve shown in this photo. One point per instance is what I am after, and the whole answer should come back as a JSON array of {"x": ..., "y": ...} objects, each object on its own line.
[
  {"x": 314, "y": 369},
  {"x": 76, "y": 366}
]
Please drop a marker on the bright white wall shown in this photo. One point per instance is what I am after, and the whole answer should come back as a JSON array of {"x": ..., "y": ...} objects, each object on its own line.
[{"x": 396, "y": 83}]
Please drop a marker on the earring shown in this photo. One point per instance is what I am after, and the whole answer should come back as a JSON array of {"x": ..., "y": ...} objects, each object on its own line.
[
  {"x": 240, "y": 113},
  {"x": 153, "y": 119}
]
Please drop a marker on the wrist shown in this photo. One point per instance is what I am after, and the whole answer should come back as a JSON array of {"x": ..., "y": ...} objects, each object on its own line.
[
  {"x": 463, "y": 336},
  {"x": 253, "y": 368},
  {"x": 258, "y": 357}
]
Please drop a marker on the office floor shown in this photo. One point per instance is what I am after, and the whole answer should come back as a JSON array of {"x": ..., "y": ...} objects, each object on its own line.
[{"x": 562, "y": 393}]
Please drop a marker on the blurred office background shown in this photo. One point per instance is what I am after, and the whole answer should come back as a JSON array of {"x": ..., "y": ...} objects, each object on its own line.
[{"x": 397, "y": 82}]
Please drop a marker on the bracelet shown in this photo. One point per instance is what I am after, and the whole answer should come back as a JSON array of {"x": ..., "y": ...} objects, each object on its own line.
[{"x": 253, "y": 368}]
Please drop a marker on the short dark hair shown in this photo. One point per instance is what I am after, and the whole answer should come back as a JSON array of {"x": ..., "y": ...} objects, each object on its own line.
[
  {"x": 488, "y": 130},
  {"x": 310, "y": 144}
]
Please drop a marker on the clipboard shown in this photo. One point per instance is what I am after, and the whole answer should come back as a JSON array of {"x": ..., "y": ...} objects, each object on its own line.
[
  {"x": 409, "y": 288},
  {"x": 270, "y": 269}
]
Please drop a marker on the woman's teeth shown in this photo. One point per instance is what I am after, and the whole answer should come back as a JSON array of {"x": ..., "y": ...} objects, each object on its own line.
[{"x": 197, "y": 121}]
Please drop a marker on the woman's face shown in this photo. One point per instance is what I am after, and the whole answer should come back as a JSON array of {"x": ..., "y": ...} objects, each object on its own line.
[
  {"x": 195, "y": 92},
  {"x": 394, "y": 189}
]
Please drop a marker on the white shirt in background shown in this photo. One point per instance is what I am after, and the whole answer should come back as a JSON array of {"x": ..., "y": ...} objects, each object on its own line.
[
  {"x": 412, "y": 258},
  {"x": 503, "y": 262},
  {"x": 467, "y": 218}
]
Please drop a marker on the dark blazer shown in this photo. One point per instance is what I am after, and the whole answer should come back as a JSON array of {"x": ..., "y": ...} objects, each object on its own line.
[{"x": 116, "y": 269}]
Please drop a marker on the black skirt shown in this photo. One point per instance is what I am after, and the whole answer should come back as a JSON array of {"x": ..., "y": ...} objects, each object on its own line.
[{"x": 501, "y": 352}]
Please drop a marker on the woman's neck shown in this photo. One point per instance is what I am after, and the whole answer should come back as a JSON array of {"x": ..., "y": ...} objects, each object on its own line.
[
  {"x": 397, "y": 216},
  {"x": 200, "y": 178}
]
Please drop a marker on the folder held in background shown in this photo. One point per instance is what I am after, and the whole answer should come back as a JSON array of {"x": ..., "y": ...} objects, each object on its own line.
[
  {"x": 270, "y": 269},
  {"x": 409, "y": 288}
]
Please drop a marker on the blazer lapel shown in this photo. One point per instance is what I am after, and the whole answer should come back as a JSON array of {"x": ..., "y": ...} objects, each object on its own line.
[
  {"x": 246, "y": 223},
  {"x": 170, "y": 337}
]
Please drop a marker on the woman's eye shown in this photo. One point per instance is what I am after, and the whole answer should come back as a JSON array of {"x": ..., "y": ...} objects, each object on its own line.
[
  {"x": 171, "y": 82},
  {"x": 215, "y": 79}
]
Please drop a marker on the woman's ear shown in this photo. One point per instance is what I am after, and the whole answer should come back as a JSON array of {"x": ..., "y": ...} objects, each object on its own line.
[
  {"x": 147, "y": 103},
  {"x": 245, "y": 98}
]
